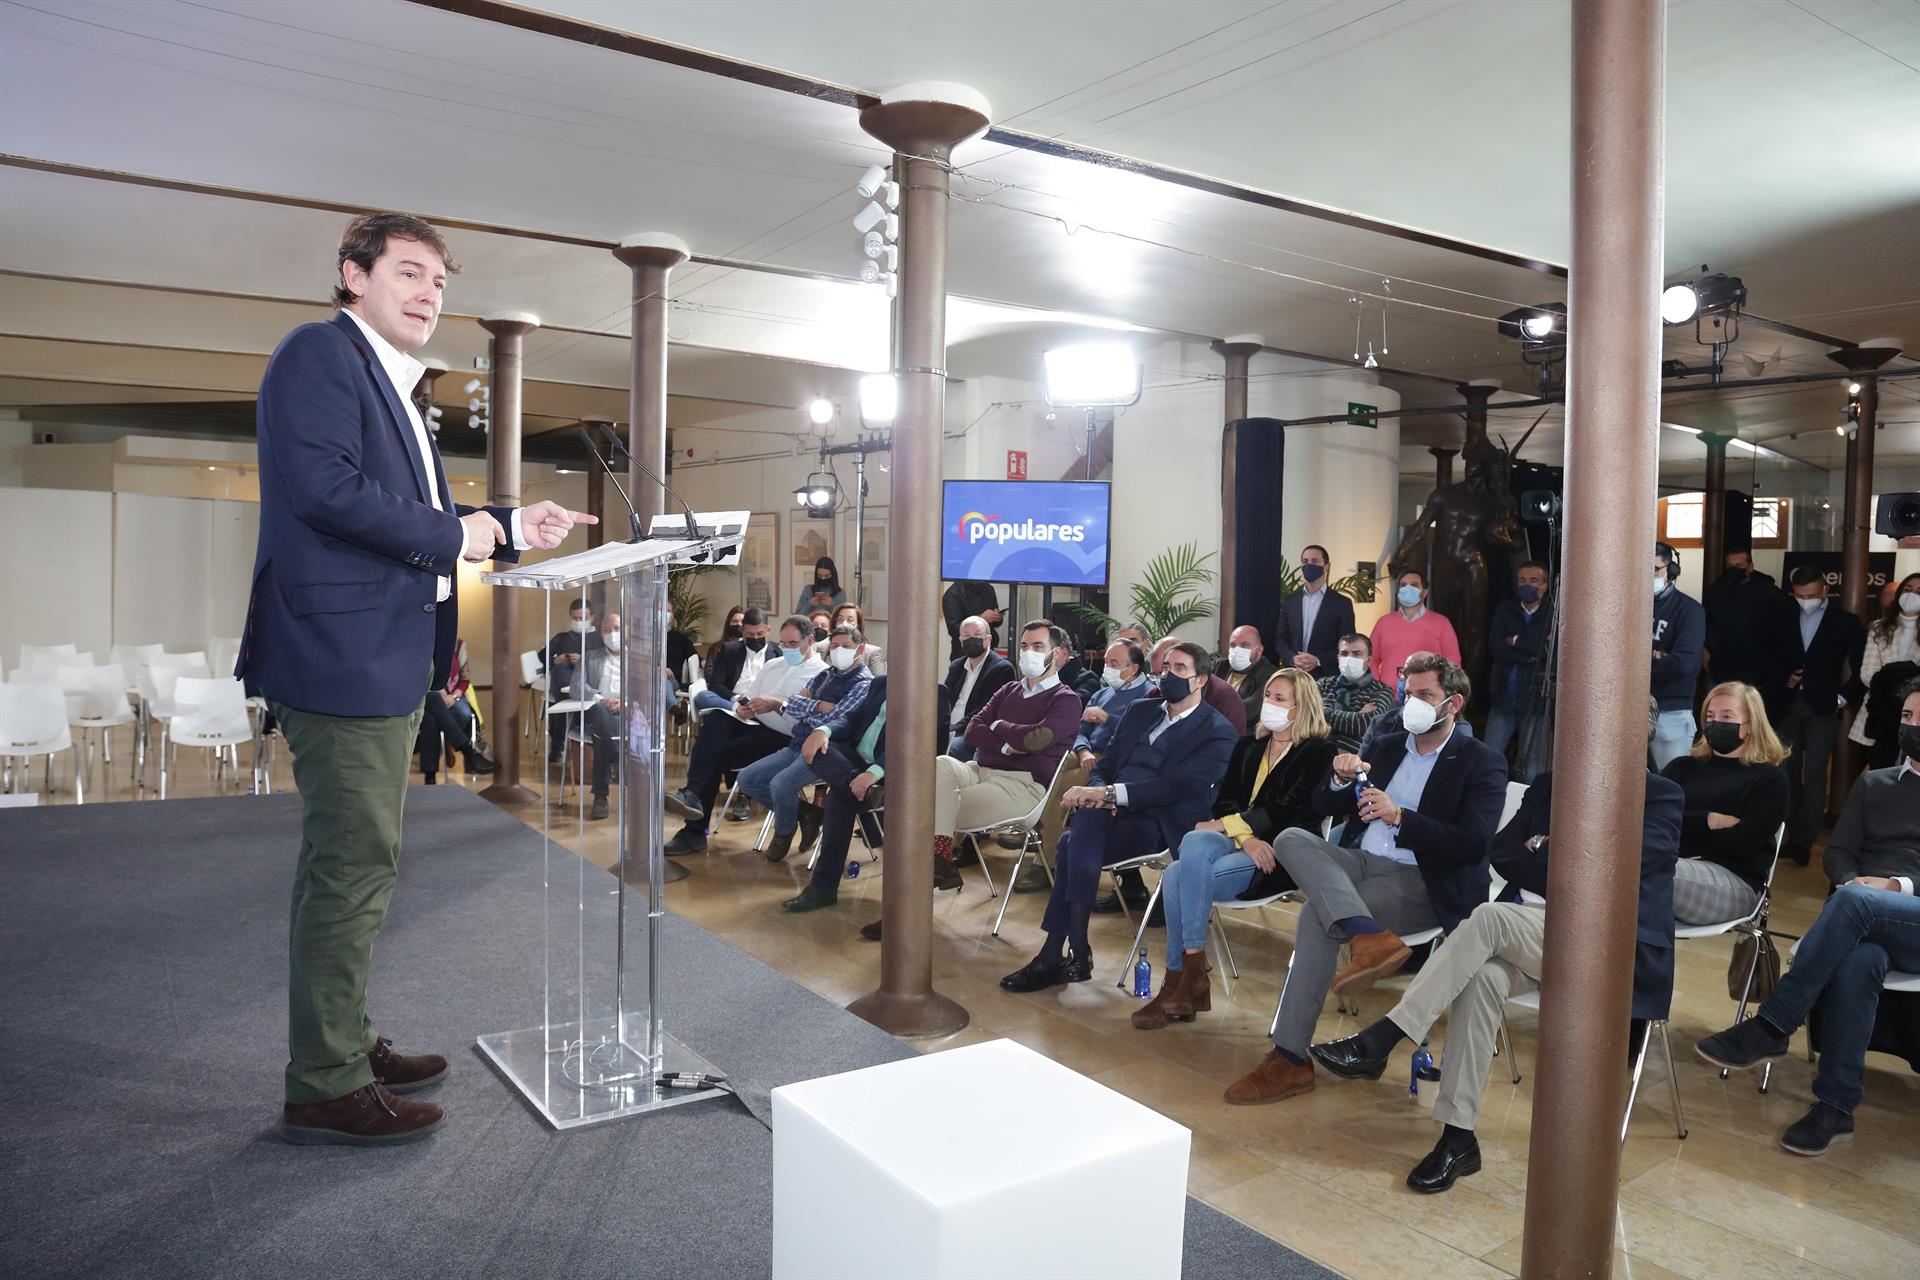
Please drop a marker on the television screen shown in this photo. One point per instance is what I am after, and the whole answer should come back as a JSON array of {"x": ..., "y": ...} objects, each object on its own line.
[{"x": 1052, "y": 533}]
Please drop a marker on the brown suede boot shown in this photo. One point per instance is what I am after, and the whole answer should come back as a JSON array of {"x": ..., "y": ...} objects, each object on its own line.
[
  {"x": 1157, "y": 1012},
  {"x": 397, "y": 1073},
  {"x": 1371, "y": 957},
  {"x": 367, "y": 1117},
  {"x": 1275, "y": 1078}
]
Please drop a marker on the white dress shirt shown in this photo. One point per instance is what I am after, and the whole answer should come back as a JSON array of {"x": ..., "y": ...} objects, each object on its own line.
[
  {"x": 403, "y": 374},
  {"x": 756, "y": 659},
  {"x": 780, "y": 681},
  {"x": 958, "y": 716}
]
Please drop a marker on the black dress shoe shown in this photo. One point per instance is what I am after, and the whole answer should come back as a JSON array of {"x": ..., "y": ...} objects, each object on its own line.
[
  {"x": 688, "y": 841},
  {"x": 1348, "y": 1060},
  {"x": 1819, "y": 1129},
  {"x": 479, "y": 765},
  {"x": 781, "y": 846},
  {"x": 1743, "y": 1046},
  {"x": 946, "y": 876},
  {"x": 811, "y": 898},
  {"x": 686, "y": 804},
  {"x": 1079, "y": 967},
  {"x": 871, "y": 932},
  {"x": 810, "y": 818},
  {"x": 965, "y": 855},
  {"x": 599, "y": 809},
  {"x": 1443, "y": 1166},
  {"x": 1038, "y": 974}
]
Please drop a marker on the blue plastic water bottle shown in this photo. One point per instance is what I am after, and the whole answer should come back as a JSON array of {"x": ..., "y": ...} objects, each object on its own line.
[
  {"x": 1142, "y": 976},
  {"x": 1423, "y": 1069},
  {"x": 853, "y": 868}
]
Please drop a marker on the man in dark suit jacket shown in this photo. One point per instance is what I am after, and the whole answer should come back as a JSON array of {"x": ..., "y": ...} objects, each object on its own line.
[
  {"x": 727, "y": 675},
  {"x": 352, "y": 619},
  {"x": 1247, "y": 668},
  {"x": 1497, "y": 954},
  {"x": 972, "y": 678},
  {"x": 1155, "y": 784},
  {"x": 1824, "y": 647},
  {"x": 1313, "y": 619},
  {"x": 1412, "y": 856}
]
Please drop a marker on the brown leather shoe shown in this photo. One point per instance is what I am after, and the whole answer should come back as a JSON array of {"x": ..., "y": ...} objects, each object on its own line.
[
  {"x": 1275, "y": 1078},
  {"x": 398, "y": 1074},
  {"x": 1372, "y": 956},
  {"x": 367, "y": 1117}
]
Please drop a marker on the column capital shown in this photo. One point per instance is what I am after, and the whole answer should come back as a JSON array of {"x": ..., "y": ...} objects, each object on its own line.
[
  {"x": 1479, "y": 391},
  {"x": 1715, "y": 440},
  {"x": 927, "y": 117},
  {"x": 510, "y": 324},
  {"x": 1866, "y": 357},
  {"x": 652, "y": 249},
  {"x": 1241, "y": 346}
]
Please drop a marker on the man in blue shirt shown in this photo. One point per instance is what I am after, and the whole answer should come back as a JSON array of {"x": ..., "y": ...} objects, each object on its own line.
[{"x": 825, "y": 707}]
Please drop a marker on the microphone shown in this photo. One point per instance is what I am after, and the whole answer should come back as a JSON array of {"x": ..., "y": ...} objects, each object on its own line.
[
  {"x": 633, "y": 517},
  {"x": 693, "y": 525}
]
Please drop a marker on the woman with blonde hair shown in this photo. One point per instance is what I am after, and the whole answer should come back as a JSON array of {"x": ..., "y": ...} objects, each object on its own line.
[
  {"x": 1268, "y": 787},
  {"x": 1737, "y": 797}
]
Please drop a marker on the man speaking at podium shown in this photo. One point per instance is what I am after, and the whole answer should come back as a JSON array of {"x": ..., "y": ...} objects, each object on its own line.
[{"x": 351, "y": 622}]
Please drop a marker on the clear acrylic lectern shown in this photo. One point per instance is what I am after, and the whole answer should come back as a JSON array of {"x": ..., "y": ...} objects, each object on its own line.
[{"x": 601, "y": 1047}]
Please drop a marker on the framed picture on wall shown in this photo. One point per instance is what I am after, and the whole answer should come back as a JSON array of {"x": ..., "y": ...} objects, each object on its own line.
[
  {"x": 809, "y": 539},
  {"x": 759, "y": 567}
]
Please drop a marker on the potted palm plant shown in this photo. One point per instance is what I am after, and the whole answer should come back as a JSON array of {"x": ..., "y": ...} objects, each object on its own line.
[{"x": 1168, "y": 595}]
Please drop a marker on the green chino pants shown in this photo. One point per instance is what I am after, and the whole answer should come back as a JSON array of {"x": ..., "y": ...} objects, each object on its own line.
[{"x": 352, "y": 776}]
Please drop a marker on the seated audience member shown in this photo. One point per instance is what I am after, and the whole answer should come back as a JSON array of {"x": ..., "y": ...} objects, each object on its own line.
[
  {"x": 1412, "y": 856},
  {"x": 870, "y": 655},
  {"x": 1518, "y": 640},
  {"x": 1497, "y": 954},
  {"x": 1411, "y": 628},
  {"x": 1891, "y": 643},
  {"x": 852, "y": 766},
  {"x": 824, "y": 592},
  {"x": 1737, "y": 797},
  {"x": 1870, "y": 925},
  {"x": 1246, "y": 668},
  {"x": 561, "y": 662},
  {"x": 1353, "y": 695},
  {"x": 600, "y": 682},
  {"x": 448, "y": 721},
  {"x": 734, "y": 666},
  {"x": 966, "y": 599},
  {"x": 1018, "y": 738},
  {"x": 1268, "y": 788},
  {"x": 1154, "y": 785},
  {"x": 1123, "y": 682},
  {"x": 680, "y": 647},
  {"x": 973, "y": 677},
  {"x": 822, "y": 620},
  {"x": 732, "y": 629},
  {"x": 1312, "y": 619},
  {"x": 1135, "y": 634},
  {"x": 753, "y": 727},
  {"x": 1073, "y": 673},
  {"x": 823, "y": 708}
]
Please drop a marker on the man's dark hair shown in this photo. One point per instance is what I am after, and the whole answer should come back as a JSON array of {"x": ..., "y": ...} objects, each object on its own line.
[
  {"x": 799, "y": 622},
  {"x": 581, "y": 602},
  {"x": 847, "y": 629},
  {"x": 1202, "y": 660},
  {"x": 1056, "y": 636},
  {"x": 1314, "y": 546},
  {"x": 1534, "y": 564},
  {"x": 365, "y": 239},
  {"x": 755, "y": 618},
  {"x": 1354, "y": 637},
  {"x": 1910, "y": 688},
  {"x": 1415, "y": 573},
  {"x": 1453, "y": 678},
  {"x": 1805, "y": 576}
]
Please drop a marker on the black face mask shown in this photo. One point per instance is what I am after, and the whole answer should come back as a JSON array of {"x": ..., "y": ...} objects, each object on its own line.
[
  {"x": 973, "y": 646},
  {"x": 757, "y": 643},
  {"x": 819, "y": 633},
  {"x": 1723, "y": 737},
  {"x": 733, "y": 631},
  {"x": 1910, "y": 741},
  {"x": 1736, "y": 574}
]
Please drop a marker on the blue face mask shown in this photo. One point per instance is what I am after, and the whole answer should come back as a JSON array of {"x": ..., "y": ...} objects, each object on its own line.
[
  {"x": 794, "y": 657},
  {"x": 1529, "y": 594},
  {"x": 1408, "y": 596}
]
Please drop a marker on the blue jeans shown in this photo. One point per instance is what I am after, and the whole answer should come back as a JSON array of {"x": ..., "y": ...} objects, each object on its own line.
[
  {"x": 776, "y": 782},
  {"x": 1672, "y": 737},
  {"x": 960, "y": 749},
  {"x": 1504, "y": 724},
  {"x": 1210, "y": 870},
  {"x": 1861, "y": 933},
  {"x": 708, "y": 698}
]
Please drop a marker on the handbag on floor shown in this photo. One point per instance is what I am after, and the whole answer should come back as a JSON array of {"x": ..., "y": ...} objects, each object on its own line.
[{"x": 1765, "y": 974}]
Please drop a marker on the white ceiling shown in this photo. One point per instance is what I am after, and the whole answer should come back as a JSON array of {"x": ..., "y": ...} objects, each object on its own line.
[{"x": 1793, "y": 136}]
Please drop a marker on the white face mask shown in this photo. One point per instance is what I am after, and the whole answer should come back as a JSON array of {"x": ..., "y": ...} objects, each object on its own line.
[
  {"x": 611, "y": 639},
  {"x": 1032, "y": 665},
  {"x": 1810, "y": 606},
  {"x": 1111, "y": 677},
  {"x": 1239, "y": 657},
  {"x": 1659, "y": 582},
  {"x": 581, "y": 626},
  {"x": 1274, "y": 719},
  {"x": 1910, "y": 602},
  {"x": 1418, "y": 716},
  {"x": 842, "y": 658},
  {"x": 1353, "y": 668}
]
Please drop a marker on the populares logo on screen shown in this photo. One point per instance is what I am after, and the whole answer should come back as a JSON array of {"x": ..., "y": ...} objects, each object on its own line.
[{"x": 975, "y": 527}]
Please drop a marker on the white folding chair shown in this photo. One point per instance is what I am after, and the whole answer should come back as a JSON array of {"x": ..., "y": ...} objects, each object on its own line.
[
  {"x": 1028, "y": 827},
  {"x": 33, "y": 722},
  {"x": 97, "y": 703},
  {"x": 28, "y": 652},
  {"x": 1753, "y": 925},
  {"x": 210, "y": 714},
  {"x": 45, "y": 667},
  {"x": 534, "y": 682},
  {"x": 155, "y": 683},
  {"x": 1229, "y": 967},
  {"x": 222, "y": 653}
]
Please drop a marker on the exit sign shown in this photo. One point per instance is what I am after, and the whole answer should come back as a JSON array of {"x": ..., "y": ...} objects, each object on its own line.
[
  {"x": 1362, "y": 415},
  {"x": 1016, "y": 464}
]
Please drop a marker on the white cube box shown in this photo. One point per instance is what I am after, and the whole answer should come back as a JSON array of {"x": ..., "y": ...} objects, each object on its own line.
[{"x": 990, "y": 1160}]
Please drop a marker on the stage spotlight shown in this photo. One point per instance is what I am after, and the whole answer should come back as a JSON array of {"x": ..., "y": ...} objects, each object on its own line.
[
  {"x": 816, "y": 495},
  {"x": 1853, "y": 388},
  {"x": 1092, "y": 375},
  {"x": 1709, "y": 295},
  {"x": 1539, "y": 505},
  {"x": 820, "y": 411},
  {"x": 1677, "y": 304},
  {"x": 1536, "y": 328},
  {"x": 879, "y": 400},
  {"x": 870, "y": 180},
  {"x": 875, "y": 218}
]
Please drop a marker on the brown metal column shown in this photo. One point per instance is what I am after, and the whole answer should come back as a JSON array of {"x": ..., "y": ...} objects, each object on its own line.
[
  {"x": 1713, "y": 515},
  {"x": 922, "y": 123},
  {"x": 1237, "y": 351},
  {"x": 1857, "y": 515},
  {"x": 503, "y": 490},
  {"x": 1442, "y": 465},
  {"x": 1612, "y": 470}
]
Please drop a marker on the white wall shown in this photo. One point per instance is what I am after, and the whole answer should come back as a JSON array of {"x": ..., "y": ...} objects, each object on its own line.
[{"x": 57, "y": 584}]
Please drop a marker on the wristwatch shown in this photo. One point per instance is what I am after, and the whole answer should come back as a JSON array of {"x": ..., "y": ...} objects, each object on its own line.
[
  {"x": 1534, "y": 842},
  {"x": 1112, "y": 797}
]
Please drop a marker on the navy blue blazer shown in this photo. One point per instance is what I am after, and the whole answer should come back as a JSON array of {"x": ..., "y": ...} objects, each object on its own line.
[
  {"x": 342, "y": 619},
  {"x": 1451, "y": 832},
  {"x": 1334, "y": 620},
  {"x": 1659, "y": 850},
  {"x": 1177, "y": 776}
]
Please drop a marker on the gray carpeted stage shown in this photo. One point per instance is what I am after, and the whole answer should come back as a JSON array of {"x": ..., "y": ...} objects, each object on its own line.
[{"x": 142, "y": 1026}]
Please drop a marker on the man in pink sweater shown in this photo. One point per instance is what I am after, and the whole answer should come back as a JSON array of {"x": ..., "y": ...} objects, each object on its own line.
[
  {"x": 1018, "y": 738},
  {"x": 1410, "y": 629}
]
